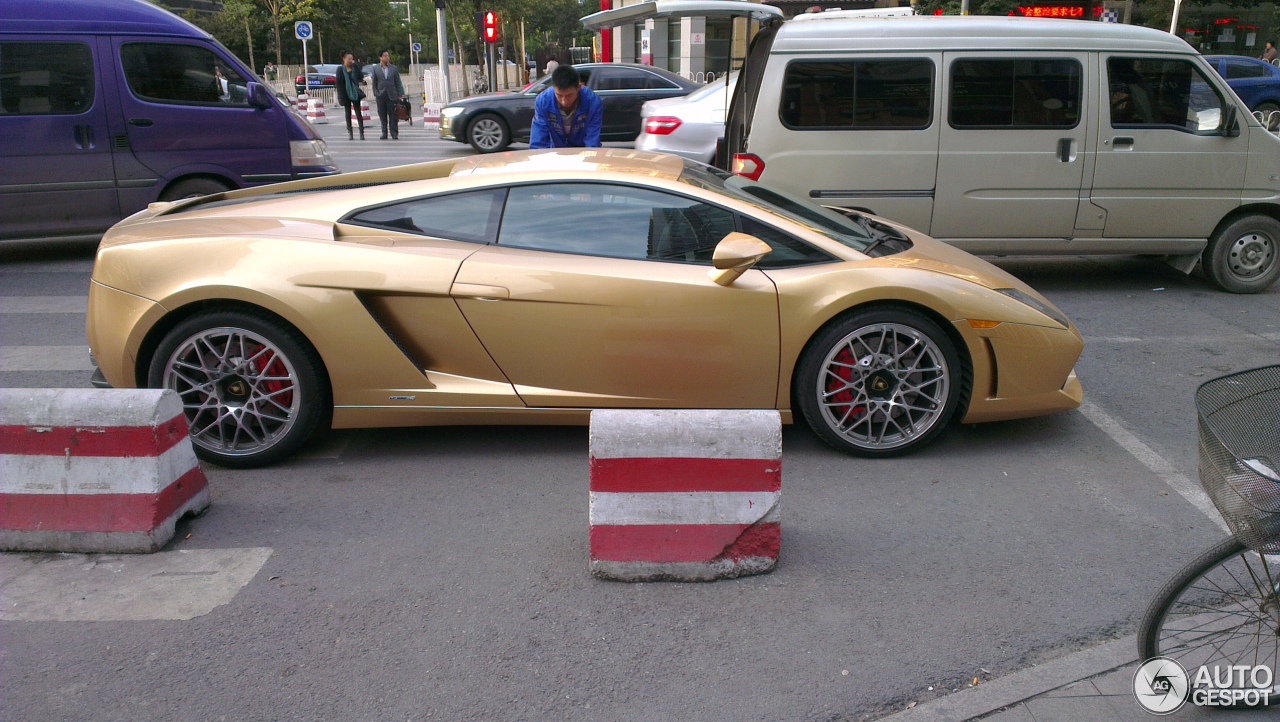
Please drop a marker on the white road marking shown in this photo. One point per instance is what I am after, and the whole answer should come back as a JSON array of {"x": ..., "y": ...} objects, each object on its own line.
[
  {"x": 45, "y": 358},
  {"x": 43, "y": 304},
  {"x": 182, "y": 584},
  {"x": 1185, "y": 487},
  {"x": 1181, "y": 339}
]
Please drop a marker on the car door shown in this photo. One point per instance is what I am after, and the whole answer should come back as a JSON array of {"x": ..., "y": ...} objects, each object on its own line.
[
  {"x": 1012, "y": 153},
  {"x": 1163, "y": 169},
  {"x": 598, "y": 295},
  {"x": 57, "y": 179},
  {"x": 623, "y": 90},
  {"x": 181, "y": 117}
]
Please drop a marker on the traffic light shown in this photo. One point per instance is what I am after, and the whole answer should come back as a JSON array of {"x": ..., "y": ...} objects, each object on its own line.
[{"x": 490, "y": 33}]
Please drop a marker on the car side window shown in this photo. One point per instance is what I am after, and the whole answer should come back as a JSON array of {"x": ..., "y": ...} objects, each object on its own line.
[
  {"x": 788, "y": 251},
  {"x": 613, "y": 221},
  {"x": 45, "y": 78},
  {"x": 1245, "y": 70},
  {"x": 623, "y": 79},
  {"x": 655, "y": 82},
  {"x": 858, "y": 95},
  {"x": 539, "y": 86},
  {"x": 181, "y": 74},
  {"x": 1015, "y": 93},
  {"x": 470, "y": 216},
  {"x": 1162, "y": 93}
]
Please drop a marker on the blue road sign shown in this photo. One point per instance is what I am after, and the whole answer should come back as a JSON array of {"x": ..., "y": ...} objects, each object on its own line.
[
  {"x": 417, "y": 47},
  {"x": 302, "y": 30}
]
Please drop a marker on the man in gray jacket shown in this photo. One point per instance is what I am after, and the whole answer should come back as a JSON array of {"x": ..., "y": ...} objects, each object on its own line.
[{"x": 387, "y": 90}]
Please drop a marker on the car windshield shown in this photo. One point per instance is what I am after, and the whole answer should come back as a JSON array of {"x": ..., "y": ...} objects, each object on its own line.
[
  {"x": 711, "y": 89},
  {"x": 814, "y": 217}
]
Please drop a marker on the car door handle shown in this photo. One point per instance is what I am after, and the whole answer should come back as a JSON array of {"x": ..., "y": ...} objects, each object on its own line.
[
  {"x": 1064, "y": 150},
  {"x": 479, "y": 292},
  {"x": 84, "y": 137},
  {"x": 141, "y": 122},
  {"x": 1122, "y": 142}
]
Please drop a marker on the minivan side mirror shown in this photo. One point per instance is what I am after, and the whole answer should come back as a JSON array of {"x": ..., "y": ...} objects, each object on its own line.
[
  {"x": 258, "y": 95},
  {"x": 735, "y": 254},
  {"x": 1230, "y": 127}
]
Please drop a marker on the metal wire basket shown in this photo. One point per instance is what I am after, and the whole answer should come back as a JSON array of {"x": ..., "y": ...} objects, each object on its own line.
[{"x": 1239, "y": 421}]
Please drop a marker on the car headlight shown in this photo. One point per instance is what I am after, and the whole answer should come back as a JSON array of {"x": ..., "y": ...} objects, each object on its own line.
[
  {"x": 1037, "y": 304},
  {"x": 309, "y": 153},
  {"x": 452, "y": 111}
]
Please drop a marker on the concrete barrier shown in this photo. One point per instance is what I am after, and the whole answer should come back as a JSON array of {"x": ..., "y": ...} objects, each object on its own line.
[
  {"x": 300, "y": 105},
  {"x": 365, "y": 113},
  {"x": 684, "y": 495},
  {"x": 95, "y": 470},
  {"x": 315, "y": 112}
]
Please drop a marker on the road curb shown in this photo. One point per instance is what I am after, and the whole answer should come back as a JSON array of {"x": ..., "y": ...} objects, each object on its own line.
[{"x": 1023, "y": 685}]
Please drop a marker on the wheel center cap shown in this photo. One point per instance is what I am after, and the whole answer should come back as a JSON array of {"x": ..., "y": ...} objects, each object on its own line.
[
  {"x": 234, "y": 389},
  {"x": 881, "y": 384}
]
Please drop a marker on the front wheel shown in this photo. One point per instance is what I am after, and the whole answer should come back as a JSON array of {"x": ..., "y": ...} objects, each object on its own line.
[
  {"x": 880, "y": 382},
  {"x": 252, "y": 388},
  {"x": 1243, "y": 257},
  {"x": 488, "y": 134},
  {"x": 1221, "y": 609}
]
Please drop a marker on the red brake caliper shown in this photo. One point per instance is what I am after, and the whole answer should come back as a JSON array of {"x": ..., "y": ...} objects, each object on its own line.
[
  {"x": 274, "y": 369},
  {"x": 845, "y": 396}
]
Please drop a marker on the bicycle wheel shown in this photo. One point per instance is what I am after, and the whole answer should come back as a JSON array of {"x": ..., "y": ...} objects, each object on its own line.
[{"x": 1221, "y": 609}]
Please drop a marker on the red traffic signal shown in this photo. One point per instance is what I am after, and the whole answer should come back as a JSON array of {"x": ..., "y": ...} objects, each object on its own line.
[{"x": 490, "y": 27}]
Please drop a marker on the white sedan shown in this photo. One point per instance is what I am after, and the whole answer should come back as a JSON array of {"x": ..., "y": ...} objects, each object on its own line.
[{"x": 688, "y": 126}]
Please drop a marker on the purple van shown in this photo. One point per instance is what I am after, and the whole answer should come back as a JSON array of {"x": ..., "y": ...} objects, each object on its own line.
[{"x": 106, "y": 106}]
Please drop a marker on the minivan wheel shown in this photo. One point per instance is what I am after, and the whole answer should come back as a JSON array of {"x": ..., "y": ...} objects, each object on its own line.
[
  {"x": 880, "y": 382},
  {"x": 252, "y": 388},
  {"x": 488, "y": 134},
  {"x": 1244, "y": 257},
  {"x": 192, "y": 188}
]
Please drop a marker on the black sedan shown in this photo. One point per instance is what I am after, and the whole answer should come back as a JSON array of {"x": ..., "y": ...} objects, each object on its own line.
[{"x": 493, "y": 121}]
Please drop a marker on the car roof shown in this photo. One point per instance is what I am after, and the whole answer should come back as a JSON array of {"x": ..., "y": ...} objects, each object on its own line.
[
  {"x": 817, "y": 33},
  {"x": 564, "y": 160},
  {"x": 1246, "y": 58},
  {"x": 647, "y": 68},
  {"x": 136, "y": 17}
]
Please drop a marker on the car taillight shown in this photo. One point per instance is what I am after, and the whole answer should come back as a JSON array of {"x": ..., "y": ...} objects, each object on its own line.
[
  {"x": 660, "y": 125},
  {"x": 748, "y": 166},
  {"x": 300, "y": 80},
  {"x": 330, "y": 80}
]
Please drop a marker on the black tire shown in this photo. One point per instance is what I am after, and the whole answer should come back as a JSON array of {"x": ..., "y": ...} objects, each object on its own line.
[
  {"x": 488, "y": 133},
  {"x": 1215, "y": 611},
  {"x": 1244, "y": 256},
  {"x": 193, "y": 187},
  {"x": 1266, "y": 106},
  {"x": 268, "y": 399},
  {"x": 821, "y": 394}
]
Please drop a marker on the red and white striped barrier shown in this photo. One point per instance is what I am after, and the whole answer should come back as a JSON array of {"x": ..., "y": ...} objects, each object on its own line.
[
  {"x": 95, "y": 470},
  {"x": 315, "y": 111},
  {"x": 431, "y": 114},
  {"x": 365, "y": 113},
  {"x": 685, "y": 495},
  {"x": 300, "y": 104}
]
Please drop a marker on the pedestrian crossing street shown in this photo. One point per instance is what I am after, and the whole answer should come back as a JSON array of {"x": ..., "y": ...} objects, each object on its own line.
[{"x": 415, "y": 145}]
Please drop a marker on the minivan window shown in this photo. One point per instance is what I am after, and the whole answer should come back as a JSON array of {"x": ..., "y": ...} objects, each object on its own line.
[
  {"x": 181, "y": 73},
  {"x": 1161, "y": 93},
  {"x": 858, "y": 95},
  {"x": 45, "y": 78},
  {"x": 1015, "y": 93}
]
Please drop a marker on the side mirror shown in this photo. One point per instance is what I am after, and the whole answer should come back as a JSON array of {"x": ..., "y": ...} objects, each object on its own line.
[
  {"x": 735, "y": 254},
  {"x": 258, "y": 96},
  {"x": 1230, "y": 127}
]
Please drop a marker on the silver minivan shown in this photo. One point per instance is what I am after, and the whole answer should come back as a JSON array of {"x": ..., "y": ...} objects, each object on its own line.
[{"x": 1015, "y": 136}]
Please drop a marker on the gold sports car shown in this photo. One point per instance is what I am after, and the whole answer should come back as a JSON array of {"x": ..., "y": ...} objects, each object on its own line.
[{"x": 531, "y": 287}]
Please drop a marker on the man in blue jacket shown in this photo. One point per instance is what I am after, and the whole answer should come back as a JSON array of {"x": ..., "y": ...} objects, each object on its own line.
[{"x": 566, "y": 115}]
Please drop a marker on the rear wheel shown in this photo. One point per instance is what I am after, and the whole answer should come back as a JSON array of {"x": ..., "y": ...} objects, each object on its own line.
[
  {"x": 1243, "y": 257},
  {"x": 488, "y": 134},
  {"x": 880, "y": 382},
  {"x": 1221, "y": 609},
  {"x": 252, "y": 388}
]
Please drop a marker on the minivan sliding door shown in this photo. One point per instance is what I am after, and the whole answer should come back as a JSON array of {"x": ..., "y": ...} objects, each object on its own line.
[{"x": 1012, "y": 153}]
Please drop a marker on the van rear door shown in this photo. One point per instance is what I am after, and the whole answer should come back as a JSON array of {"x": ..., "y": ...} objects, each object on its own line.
[
  {"x": 57, "y": 175},
  {"x": 1012, "y": 153}
]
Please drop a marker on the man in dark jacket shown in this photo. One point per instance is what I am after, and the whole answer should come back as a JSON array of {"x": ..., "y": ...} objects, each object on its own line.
[
  {"x": 566, "y": 115},
  {"x": 387, "y": 90},
  {"x": 349, "y": 92}
]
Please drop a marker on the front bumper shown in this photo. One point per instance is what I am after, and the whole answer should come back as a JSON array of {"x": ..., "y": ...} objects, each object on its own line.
[{"x": 1021, "y": 371}]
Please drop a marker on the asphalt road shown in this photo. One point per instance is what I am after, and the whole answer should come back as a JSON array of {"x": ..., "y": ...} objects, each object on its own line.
[{"x": 442, "y": 573}]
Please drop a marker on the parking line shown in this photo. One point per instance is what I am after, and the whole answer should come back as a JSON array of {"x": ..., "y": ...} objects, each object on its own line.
[
  {"x": 1186, "y": 488},
  {"x": 45, "y": 358},
  {"x": 43, "y": 304},
  {"x": 1275, "y": 336}
]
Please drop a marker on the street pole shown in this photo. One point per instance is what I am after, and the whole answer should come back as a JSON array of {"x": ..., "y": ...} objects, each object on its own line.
[
  {"x": 408, "y": 6},
  {"x": 304, "y": 57},
  {"x": 1173, "y": 24},
  {"x": 964, "y": 7},
  {"x": 442, "y": 47}
]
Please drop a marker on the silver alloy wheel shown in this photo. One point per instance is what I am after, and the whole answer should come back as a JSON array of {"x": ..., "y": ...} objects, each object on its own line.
[
  {"x": 240, "y": 393},
  {"x": 1251, "y": 255},
  {"x": 883, "y": 386},
  {"x": 486, "y": 133}
]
